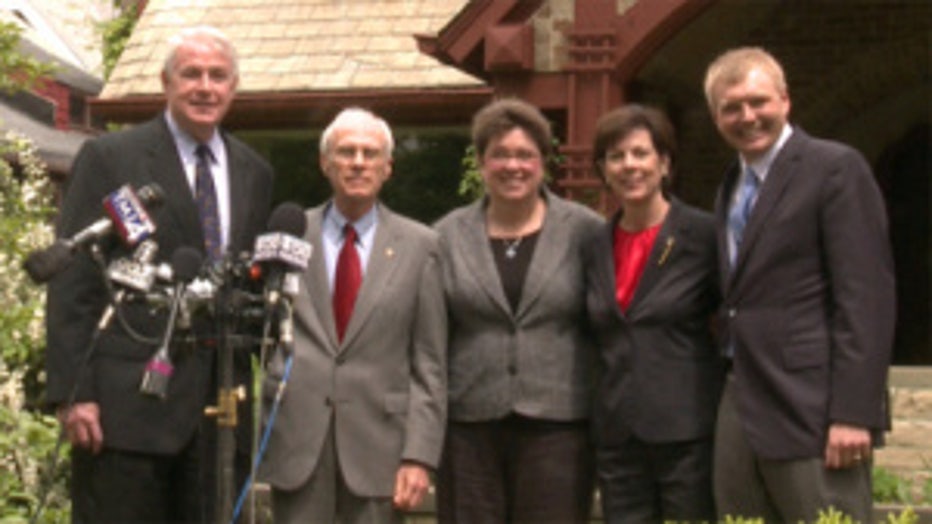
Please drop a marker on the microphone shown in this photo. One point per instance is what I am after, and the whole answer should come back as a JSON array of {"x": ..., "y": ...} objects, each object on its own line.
[
  {"x": 282, "y": 251},
  {"x": 125, "y": 211},
  {"x": 186, "y": 263},
  {"x": 136, "y": 274}
]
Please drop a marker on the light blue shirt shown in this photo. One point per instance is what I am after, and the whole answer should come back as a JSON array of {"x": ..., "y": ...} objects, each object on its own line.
[
  {"x": 332, "y": 232},
  {"x": 219, "y": 168},
  {"x": 761, "y": 167}
]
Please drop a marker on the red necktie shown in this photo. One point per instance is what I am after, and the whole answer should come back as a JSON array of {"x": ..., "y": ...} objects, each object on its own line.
[{"x": 348, "y": 278}]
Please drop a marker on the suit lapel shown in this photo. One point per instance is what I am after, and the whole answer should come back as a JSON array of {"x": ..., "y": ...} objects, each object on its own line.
[
  {"x": 663, "y": 248},
  {"x": 548, "y": 256},
  {"x": 165, "y": 169},
  {"x": 722, "y": 201},
  {"x": 382, "y": 265},
  {"x": 603, "y": 265},
  {"x": 239, "y": 195},
  {"x": 474, "y": 252},
  {"x": 774, "y": 187},
  {"x": 316, "y": 281}
]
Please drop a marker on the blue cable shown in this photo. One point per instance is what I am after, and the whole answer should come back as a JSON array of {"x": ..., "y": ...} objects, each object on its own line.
[{"x": 265, "y": 436}]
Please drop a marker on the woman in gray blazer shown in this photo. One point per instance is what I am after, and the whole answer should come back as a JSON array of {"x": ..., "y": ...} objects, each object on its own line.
[
  {"x": 517, "y": 448},
  {"x": 652, "y": 290}
]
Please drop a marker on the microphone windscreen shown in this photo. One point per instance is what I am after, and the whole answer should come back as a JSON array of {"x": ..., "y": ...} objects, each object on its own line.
[
  {"x": 288, "y": 218},
  {"x": 151, "y": 195},
  {"x": 41, "y": 266},
  {"x": 186, "y": 263}
]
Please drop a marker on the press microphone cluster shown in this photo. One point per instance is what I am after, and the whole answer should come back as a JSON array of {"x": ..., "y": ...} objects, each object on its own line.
[
  {"x": 187, "y": 286},
  {"x": 185, "y": 264},
  {"x": 282, "y": 252},
  {"x": 125, "y": 214}
]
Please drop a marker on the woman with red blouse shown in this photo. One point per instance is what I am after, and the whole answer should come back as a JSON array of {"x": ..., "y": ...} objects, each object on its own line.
[{"x": 651, "y": 291}]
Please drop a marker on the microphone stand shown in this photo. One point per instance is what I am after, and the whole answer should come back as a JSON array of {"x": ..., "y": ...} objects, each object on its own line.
[{"x": 228, "y": 398}]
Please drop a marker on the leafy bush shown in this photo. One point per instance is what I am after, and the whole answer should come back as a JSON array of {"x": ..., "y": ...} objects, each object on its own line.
[{"x": 27, "y": 437}]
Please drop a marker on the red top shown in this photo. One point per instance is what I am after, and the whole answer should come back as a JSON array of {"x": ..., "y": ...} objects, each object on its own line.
[{"x": 631, "y": 253}]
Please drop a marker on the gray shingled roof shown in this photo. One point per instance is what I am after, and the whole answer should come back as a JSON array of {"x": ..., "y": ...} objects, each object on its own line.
[{"x": 300, "y": 45}]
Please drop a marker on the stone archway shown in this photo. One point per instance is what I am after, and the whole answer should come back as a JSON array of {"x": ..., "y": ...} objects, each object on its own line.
[{"x": 903, "y": 171}]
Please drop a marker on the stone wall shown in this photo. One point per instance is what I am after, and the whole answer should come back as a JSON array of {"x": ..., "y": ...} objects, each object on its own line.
[{"x": 908, "y": 451}]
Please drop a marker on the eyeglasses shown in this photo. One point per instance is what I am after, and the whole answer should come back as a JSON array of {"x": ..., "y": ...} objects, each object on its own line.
[
  {"x": 349, "y": 153},
  {"x": 522, "y": 156}
]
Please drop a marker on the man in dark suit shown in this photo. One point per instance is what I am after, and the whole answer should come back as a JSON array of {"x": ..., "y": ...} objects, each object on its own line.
[
  {"x": 808, "y": 306},
  {"x": 135, "y": 457},
  {"x": 361, "y": 422}
]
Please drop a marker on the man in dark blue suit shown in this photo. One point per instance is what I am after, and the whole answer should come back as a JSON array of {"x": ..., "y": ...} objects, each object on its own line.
[
  {"x": 808, "y": 306},
  {"x": 138, "y": 458}
]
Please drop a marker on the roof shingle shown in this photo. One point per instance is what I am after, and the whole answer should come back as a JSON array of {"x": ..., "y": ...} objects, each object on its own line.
[{"x": 299, "y": 45}]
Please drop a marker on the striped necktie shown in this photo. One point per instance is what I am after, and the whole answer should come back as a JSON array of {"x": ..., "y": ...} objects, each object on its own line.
[
  {"x": 206, "y": 197},
  {"x": 741, "y": 210}
]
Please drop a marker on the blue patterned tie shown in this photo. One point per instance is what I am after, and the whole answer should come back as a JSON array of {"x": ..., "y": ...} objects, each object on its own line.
[
  {"x": 741, "y": 210},
  {"x": 206, "y": 197}
]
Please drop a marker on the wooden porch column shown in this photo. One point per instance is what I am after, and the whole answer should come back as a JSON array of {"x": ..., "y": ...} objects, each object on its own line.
[{"x": 591, "y": 90}]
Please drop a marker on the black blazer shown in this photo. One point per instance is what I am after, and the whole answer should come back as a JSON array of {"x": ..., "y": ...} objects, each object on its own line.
[
  {"x": 810, "y": 303},
  {"x": 660, "y": 370},
  {"x": 76, "y": 297}
]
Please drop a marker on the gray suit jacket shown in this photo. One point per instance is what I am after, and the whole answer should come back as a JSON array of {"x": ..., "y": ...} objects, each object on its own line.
[
  {"x": 661, "y": 374},
  {"x": 384, "y": 387},
  {"x": 810, "y": 303},
  {"x": 535, "y": 361}
]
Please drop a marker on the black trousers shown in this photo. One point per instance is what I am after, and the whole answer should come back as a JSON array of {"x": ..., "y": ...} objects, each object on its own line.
[
  {"x": 117, "y": 486},
  {"x": 642, "y": 482},
  {"x": 516, "y": 470}
]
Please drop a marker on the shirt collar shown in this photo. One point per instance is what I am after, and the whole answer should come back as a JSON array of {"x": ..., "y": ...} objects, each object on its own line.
[
  {"x": 363, "y": 226},
  {"x": 761, "y": 166},
  {"x": 187, "y": 144}
]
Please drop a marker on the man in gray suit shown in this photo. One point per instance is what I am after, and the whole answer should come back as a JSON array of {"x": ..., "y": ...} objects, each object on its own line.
[
  {"x": 361, "y": 422},
  {"x": 808, "y": 305}
]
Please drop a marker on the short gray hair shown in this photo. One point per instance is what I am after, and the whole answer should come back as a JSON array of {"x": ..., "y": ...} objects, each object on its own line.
[
  {"x": 352, "y": 117},
  {"x": 201, "y": 33}
]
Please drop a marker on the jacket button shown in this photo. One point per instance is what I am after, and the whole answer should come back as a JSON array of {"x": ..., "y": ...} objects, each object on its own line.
[
  {"x": 512, "y": 370},
  {"x": 328, "y": 402},
  {"x": 732, "y": 312}
]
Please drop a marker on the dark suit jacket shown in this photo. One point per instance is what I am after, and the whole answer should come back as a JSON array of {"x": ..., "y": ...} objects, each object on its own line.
[
  {"x": 76, "y": 297},
  {"x": 810, "y": 303},
  {"x": 535, "y": 361},
  {"x": 660, "y": 372},
  {"x": 382, "y": 390}
]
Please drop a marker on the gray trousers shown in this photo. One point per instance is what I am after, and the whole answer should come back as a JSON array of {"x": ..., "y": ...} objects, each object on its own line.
[
  {"x": 780, "y": 490},
  {"x": 326, "y": 499}
]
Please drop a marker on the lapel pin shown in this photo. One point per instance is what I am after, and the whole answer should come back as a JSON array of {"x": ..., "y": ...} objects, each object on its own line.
[
  {"x": 666, "y": 251},
  {"x": 389, "y": 252}
]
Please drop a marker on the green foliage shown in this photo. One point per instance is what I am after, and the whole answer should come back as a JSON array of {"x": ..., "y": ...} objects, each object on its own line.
[
  {"x": 471, "y": 185},
  {"x": 891, "y": 488},
  {"x": 17, "y": 71},
  {"x": 25, "y": 212},
  {"x": 114, "y": 35},
  {"x": 27, "y": 449},
  {"x": 27, "y": 438},
  {"x": 833, "y": 516}
]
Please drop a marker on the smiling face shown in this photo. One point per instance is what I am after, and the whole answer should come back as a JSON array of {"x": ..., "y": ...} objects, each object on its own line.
[
  {"x": 751, "y": 113},
  {"x": 634, "y": 170},
  {"x": 357, "y": 163},
  {"x": 199, "y": 83},
  {"x": 512, "y": 167}
]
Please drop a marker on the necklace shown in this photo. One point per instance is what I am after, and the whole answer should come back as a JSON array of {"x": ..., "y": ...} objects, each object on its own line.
[{"x": 511, "y": 247}]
